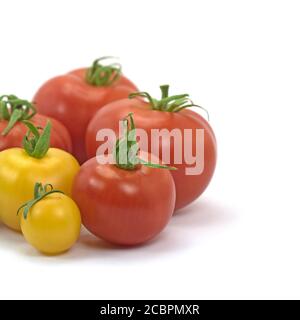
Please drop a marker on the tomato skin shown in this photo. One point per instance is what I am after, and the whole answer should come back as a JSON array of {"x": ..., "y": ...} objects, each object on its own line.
[
  {"x": 188, "y": 187},
  {"x": 19, "y": 172},
  {"x": 60, "y": 137},
  {"x": 124, "y": 207},
  {"x": 53, "y": 224},
  {"x": 71, "y": 100}
]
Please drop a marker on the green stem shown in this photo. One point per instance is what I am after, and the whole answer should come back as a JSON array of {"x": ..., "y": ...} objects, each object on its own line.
[
  {"x": 13, "y": 110},
  {"x": 167, "y": 103},
  {"x": 40, "y": 192},
  {"x": 127, "y": 149},
  {"x": 4, "y": 113},
  {"x": 37, "y": 144},
  {"x": 103, "y": 75},
  {"x": 14, "y": 118},
  {"x": 164, "y": 91}
]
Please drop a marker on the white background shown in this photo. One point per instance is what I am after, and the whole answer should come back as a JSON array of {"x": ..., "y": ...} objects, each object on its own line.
[{"x": 239, "y": 59}]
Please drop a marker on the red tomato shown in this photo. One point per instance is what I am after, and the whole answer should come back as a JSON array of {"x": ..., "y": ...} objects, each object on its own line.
[
  {"x": 60, "y": 137},
  {"x": 124, "y": 207},
  {"x": 188, "y": 187},
  {"x": 75, "y": 97}
]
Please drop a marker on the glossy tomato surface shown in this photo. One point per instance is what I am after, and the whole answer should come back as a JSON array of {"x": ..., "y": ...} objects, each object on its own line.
[
  {"x": 60, "y": 137},
  {"x": 53, "y": 224},
  {"x": 71, "y": 100},
  {"x": 188, "y": 187},
  {"x": 124, "y": 207}
]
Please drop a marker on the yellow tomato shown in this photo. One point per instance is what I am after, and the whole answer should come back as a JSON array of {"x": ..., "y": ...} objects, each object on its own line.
[
  {"x": 19, "y": 172},
  {"x": 52, "y": 225}
]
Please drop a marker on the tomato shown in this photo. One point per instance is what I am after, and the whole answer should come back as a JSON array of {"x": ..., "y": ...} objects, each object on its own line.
[
  {"x": 13, "y": 137},
  {"x": 168, "y": 113},
  {"x": 21, "y": 168},
  {"x": 51, "y": 221},
  {"x": 60, "y": 137},
  {"x": 75, "y": 97},
  {"x": 124, "y": 204}
]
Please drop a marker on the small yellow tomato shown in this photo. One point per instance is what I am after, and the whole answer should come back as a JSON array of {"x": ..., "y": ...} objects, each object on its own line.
[
  {"x": 19, "y": 173},
  {"x": 51, "y": 223}
]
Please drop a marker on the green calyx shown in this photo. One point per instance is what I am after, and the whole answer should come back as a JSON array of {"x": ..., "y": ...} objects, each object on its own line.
[
  {"x": 103, "y": 75},
  {"x": 37, "y": 144},
  {"x": 40, "y": 192},
  {"x": 13, "y": 109},
  {"x": 168, "y": 103},
  {"x": 127, "y": 149}
]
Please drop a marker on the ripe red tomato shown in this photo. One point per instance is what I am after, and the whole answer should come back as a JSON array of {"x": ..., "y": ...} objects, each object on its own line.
[
  {"x": 168, "y": 113},
  {"x": 125, "y": 207},
  {"x": 75, "y": 97},
  {"x": 60, "y": 137},
  {"x": 126, "y": 203}
]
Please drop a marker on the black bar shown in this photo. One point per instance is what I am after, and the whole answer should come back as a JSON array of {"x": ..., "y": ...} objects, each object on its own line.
[{"x": 151, "y": 309}]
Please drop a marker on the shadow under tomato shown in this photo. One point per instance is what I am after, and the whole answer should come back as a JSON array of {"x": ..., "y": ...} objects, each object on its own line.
[
  {"x": 204, "y": 213},
  {"x": 182, "y": 232},
  {"x": 187, "y": 229}
]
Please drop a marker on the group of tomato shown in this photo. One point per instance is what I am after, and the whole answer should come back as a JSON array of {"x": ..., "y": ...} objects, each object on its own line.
[{"x": 51, "y": 179}]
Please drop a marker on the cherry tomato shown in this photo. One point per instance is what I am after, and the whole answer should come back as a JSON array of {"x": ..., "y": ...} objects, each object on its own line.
[
  {"x": 51, "y": 221},
  {"x": 168, "y": 113},
  {"x": 75, "y": 97},
  {"x": 12, "y": 132}
]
